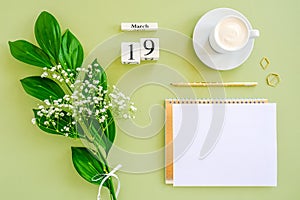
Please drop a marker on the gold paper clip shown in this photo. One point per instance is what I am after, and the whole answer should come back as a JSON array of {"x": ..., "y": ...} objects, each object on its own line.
[
  {"x": 273, "y": 79},
  {"x": 264, "y": 63}
]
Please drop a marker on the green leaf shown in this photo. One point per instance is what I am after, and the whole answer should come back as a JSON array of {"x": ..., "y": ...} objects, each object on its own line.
[
  {"x": 29, "y": 53},
  {"x": 48, "y": 35},
  {"x": 95, "y": 130},
  {"x": 103, "y": 134},
  {"x": 47, "y": 125},
  {"x": 101, "y": 75},
  {"x": 87, "y": 166},
  {"x": 42, "y": 88},
  {"x": 110, "y": 131},
  {"x": 71, "y": 54}
]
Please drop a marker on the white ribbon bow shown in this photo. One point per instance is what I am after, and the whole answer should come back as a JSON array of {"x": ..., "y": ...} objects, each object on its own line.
[{"x": 110, "y": 174}]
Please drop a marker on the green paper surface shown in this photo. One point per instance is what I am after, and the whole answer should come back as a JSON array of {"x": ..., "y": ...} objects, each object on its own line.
[{"x": 36, "y": 165}]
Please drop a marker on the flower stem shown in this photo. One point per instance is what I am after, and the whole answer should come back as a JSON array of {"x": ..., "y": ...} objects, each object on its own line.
[
  {"x": 112, "y": 189},
  {"x": 106, "y": 168}
]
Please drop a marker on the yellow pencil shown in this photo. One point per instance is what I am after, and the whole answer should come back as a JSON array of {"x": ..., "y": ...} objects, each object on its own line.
[{"x": 216, "y": 84}]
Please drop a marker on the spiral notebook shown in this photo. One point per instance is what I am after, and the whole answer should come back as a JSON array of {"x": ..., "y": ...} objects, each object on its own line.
[{"x": 220, "y": 142}]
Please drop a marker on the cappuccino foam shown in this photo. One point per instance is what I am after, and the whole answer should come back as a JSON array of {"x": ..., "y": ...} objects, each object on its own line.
[{"x": 232, "y": 33}]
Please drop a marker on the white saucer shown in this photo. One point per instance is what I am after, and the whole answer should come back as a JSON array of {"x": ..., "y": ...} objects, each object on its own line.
[{"x": 203, "y": 49}]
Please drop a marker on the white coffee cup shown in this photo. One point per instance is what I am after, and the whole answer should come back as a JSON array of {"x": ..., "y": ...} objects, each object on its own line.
[{"x": 231, "y": 34}]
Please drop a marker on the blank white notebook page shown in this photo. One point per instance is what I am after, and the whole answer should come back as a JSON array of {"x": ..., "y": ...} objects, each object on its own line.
[{"x": 224, "y": 144}]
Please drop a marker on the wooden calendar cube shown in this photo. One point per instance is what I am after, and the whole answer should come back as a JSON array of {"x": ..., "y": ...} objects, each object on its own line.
[
  {"x": 149, "y": 48},
  {"x": 130, "y": 53}
]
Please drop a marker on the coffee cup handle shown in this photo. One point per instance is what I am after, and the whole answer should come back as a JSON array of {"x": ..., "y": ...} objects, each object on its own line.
[{"x": 254, "y": 33}]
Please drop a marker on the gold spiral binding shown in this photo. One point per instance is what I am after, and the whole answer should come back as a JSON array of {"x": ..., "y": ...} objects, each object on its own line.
[{"x": 218, "y": 101}]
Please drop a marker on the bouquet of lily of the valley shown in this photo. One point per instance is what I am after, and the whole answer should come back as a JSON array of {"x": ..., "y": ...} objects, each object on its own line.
[{"x": 76, "y": 100}]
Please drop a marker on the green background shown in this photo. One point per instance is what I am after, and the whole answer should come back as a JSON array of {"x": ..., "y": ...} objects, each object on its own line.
[{"x": 35, "y": 165}]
